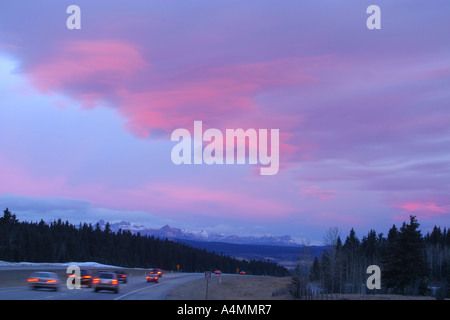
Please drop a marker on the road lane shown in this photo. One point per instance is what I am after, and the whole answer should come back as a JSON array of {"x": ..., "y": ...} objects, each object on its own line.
[
  {"x": 136, "y": 288},
  {"x": 159, "y": 291}
]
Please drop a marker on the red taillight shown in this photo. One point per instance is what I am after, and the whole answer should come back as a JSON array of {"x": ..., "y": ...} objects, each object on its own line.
[
  {"x": 156, "y": 278},
  {"x": 96, "y": 280},
  {"x": 51, "y": 281},
  {"x": 33, "y": 280},
  {"x": 114, "y": 281},
  {"x": 87, "y": 277}
]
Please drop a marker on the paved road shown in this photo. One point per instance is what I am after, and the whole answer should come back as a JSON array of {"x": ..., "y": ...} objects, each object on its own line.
[{"x": 135, "y": 289}]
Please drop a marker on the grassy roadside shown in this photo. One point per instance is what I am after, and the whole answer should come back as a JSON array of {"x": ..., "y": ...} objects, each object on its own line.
[
  {"x": 247, "y": 287},
  {"x": 232, "y": 287}
]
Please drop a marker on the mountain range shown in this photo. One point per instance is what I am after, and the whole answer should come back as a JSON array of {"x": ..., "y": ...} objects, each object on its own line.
[
  {"x": 178, "y": 234},
  {"x": 283, "y": 250}
]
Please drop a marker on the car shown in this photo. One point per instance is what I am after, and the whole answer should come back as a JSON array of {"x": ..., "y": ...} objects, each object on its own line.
[
  {"x": 44, "y": 279},
  {"x": 155, "y": 271},
  {"x": 217, "y": 271},
  {"x": 152, "y": 275},
  {"x": 106, "y": 281},
  {"x": 86, "y": 277},
  {"x": 122, "y": 276},
  {"x": 152, "y": 278},
  {"x": 242, "y": 272}
]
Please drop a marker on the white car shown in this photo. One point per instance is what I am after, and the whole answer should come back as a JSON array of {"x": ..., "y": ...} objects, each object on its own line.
[
  {"x": 44, "y": 279},
  {"x": 106, "y": 281}
]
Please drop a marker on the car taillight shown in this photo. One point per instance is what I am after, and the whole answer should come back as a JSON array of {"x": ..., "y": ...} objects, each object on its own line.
[
  {"x": 156, "y": 278},
  {"x": 87, "y": 277},
  {"x": 51, "y": 281},
  {"x": 33, "y": 280},
  {"x": 115, "y": 281},
  {"x": 96, "y": 280}
]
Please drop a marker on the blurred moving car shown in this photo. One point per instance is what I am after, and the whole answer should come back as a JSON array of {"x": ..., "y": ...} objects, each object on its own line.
[
  {"x": 86, "y": 277},
  {"x": 152, "y": 276},
  {"x": 122, "y": 276},
  {"x": 217, "y": 271},
  {"x": 106, "y": 281},
  {"x": 155, "y": 271},
  {"x": 44, "y": 279},
  {"x": 242, "y": 272}
]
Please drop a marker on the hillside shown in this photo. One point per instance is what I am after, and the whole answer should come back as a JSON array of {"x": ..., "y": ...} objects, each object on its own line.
[{"x": 286, "y": 256}]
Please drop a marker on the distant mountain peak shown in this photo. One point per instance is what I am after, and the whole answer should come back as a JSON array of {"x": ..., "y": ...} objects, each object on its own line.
[
  {"x": 173, "y": 233},
  {"x": 167, "y": 227}
]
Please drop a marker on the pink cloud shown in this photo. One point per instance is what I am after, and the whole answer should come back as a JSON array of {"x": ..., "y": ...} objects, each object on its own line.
[
  {"x": 108, "y": 71},
  {"x": 19, "y": 181},
  {"x": 160, "y": 197},
  {"x": 223, "y": 97},
  {"x": 90, "y": 69},
  {"x": 112, "y": 72},
  {"x": 174, "y": 200},
  {"x": 422, "y": 209},
  {"x": 210, "y": 202}
]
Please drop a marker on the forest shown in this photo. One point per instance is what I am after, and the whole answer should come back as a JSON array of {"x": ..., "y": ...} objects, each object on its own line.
[
  {"x": 60, "y": 241},
  {"x": 410, "y": 263}
]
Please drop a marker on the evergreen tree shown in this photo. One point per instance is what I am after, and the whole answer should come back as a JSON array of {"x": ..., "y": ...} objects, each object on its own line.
[
  {"x": 351, "y": 249},
  {"x": 392, "y": 263},
  {"x": 314, "y": 274},
  {"x": 405, "y": 268}
]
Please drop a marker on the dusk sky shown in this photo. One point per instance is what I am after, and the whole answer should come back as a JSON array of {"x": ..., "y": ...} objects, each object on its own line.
[{"x": 86, "y": 116}]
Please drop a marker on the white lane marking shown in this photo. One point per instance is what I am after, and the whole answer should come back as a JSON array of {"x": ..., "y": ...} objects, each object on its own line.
[
  {"x": 171, "y": 279},
  {"x": 11, "y": 289},
  {"x": 127, "y": 294}
]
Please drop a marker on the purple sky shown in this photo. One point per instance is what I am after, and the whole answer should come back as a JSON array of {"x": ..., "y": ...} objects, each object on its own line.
[{"x": 364, "y": 115}]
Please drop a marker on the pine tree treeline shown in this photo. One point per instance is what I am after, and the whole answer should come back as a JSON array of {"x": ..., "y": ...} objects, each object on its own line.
[
  {"x": 410, "y": 263},
  {"x": 64, "y": 242}
]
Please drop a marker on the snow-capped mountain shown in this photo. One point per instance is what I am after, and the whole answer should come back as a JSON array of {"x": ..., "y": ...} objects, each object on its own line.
[{"x": 178, "y": 234}]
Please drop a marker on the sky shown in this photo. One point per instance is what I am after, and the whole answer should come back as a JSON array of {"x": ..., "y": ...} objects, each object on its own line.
[{"x": 86, "y": 116}]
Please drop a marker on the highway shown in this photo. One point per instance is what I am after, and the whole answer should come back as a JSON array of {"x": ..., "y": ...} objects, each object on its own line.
[{"x": 135, "y": 289}]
